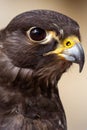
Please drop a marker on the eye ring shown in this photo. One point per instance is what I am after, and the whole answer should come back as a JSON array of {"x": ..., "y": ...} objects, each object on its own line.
[{"x": 37, "y": 34}]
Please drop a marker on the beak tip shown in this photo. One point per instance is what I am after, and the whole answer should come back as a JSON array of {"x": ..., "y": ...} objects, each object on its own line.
[
  {"x": 80, "y": 69},
  {"x": 81, "y": 64}
]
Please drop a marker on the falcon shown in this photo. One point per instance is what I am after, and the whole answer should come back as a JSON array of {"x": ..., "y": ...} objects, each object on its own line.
[{"x": 36, "y": 48}]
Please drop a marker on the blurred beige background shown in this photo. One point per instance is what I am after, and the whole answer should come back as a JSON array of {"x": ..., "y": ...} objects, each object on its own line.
[{"x": 73, "y": 85}]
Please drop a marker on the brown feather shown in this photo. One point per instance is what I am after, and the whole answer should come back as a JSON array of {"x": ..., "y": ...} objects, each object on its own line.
[{"x": 29, "y": 98}]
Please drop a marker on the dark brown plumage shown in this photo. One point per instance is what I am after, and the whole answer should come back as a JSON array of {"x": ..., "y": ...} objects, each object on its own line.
[{"x": 31, "y": 63}]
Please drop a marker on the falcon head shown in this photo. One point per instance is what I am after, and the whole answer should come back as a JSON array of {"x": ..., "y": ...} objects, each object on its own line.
[
  {"x": 45, "y": 41},
  {"x": 36, "y": 48}
]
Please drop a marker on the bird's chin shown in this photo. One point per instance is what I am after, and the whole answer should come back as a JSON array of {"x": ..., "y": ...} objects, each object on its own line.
[
  {"x": 51, "y": 69},
  {"x": 65, "y": 65}
]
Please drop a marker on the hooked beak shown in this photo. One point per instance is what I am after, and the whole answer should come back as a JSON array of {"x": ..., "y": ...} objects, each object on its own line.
[
  {"x": 72, "y": 51},
  {"x": 75, "y": 55}
]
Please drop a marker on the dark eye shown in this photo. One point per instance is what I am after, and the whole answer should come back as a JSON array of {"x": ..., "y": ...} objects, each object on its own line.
[{"x": 37, "y": 34}]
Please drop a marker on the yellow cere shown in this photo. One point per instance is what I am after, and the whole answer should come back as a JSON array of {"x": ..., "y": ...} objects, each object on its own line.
[
  {"x": 66, "y": 44},
  {"x": 70, "y": 42}
]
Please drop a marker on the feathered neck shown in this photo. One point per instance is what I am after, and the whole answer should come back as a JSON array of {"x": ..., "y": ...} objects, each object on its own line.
[{"x": 44, "y": 77}]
